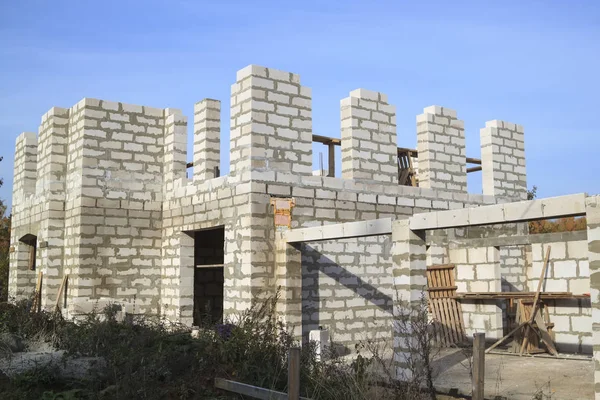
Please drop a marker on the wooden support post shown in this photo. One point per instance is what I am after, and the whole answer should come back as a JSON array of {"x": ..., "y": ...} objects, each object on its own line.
[
  {"x": 331, "y": 159},
  {"x": 478, "y": 365},
  {"x": 294, "y": 373}
]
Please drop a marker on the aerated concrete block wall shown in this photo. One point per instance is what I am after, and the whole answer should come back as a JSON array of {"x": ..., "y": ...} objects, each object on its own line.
[
  {"x": 568, "y": 271},
  {"x": 348, "y": 289},
  {"x": 478, "y": 270}
]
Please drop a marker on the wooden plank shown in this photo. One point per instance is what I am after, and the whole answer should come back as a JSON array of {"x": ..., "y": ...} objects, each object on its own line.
[
  {"x": 440, "y": 266},
  {"x": 451, "y": 319},
  {"x": 36, "y": 305},
  {"x": 331, "y": 160},
  {"x": 251, "y": 391},
  {"x": 440, "y": 314},
  {"x": 456, "y": 320},
  {"x": 210, "y": 266},
  {"x": 519, "y": 295},
  {"x": 536, "y": 299},
  {"x": 541, "y": 324},
  {"x": 447, "y": 311},
  {"x": 478, "y": 366},
  {"x": 439, "y": 322},
  {"x": 509, "y": 334},
  {"x": 441, "y": 308},
  {"x": 60, "y": 292},
  {"x": 451, "y": 333},
  {"x": 442, "y": 288},
  {"x": 294, "y": 373}
]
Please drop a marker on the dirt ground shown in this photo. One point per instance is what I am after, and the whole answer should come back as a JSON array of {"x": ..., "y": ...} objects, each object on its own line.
[{"x": 519, "y": 378}]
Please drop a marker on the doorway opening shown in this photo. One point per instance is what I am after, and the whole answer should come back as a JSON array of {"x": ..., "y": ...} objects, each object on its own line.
[{"x": 209, "y": 258}]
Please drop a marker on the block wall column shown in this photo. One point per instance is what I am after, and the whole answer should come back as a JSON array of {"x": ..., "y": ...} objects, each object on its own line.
[
  {"x": 21, "y": 281},
  {"x": 369, "y": 142},
  {"x": 409, "y": 258},
  {"x": 25, "y": 172},
  {"x": 592, "y": 208},
  {"x": 207, "y": 140},
  {"x": 271, "y": 122},
  {"x": 289, "y": 279},
  {"x": 52, "y": 169},
  {"x": 175, "y": 150},
  {"x": 177, "y": 288},
  {"x": 503, "y": 160},
  {"x": 441, "y": 148},
  {"x": 478, "y": 270}
]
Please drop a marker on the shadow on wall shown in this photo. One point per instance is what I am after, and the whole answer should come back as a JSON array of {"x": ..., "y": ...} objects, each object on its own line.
[{"x": 328, "y": 305}]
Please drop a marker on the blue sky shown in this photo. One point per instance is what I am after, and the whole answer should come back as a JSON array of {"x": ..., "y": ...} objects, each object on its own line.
[{"x": 534, "y": 63}]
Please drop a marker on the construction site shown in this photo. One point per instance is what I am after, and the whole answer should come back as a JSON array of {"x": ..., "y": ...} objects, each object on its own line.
[{"x": 109, "y": 208}]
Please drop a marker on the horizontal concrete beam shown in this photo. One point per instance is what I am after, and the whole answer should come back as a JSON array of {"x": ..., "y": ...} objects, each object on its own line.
[
  {"x": 345, "y": 230},
  {"x": 519, "y": 240},
  {"x": 551, "y": 207}
]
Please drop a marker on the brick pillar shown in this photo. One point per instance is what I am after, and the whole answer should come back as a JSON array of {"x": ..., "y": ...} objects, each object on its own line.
[
  {"x": 21, "y": 281},
  {"x": 478, "y": 270},
  {"x": 503, "y": 160},
  {"x": 271, "y": 122},
  {"x": 369, "y": 142},
  {"x": 177, "y": 283},
  {"x": 175, "y": 151},
  {"x": 207, "y": 141},
  {"x": 409, "y": 258},
  {"x": 51, "y": 173},
  {"x": 289, "y": 279},
  {"x": 25, "y": 171},
  {"x": 441, "y": 148},
  {"x": 592, "y": 209}
]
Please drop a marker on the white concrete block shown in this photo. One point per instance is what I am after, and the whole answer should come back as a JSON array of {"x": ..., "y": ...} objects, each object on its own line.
[
  {"x": 564, "y": 268},
  {"x": 488, "y": 271},
  {"x": 464, "y": 272},
  {"x": 579, "y": 286}
]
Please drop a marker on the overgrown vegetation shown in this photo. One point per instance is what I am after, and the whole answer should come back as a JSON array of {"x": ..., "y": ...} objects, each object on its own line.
[{"x": 154, "y": 359}]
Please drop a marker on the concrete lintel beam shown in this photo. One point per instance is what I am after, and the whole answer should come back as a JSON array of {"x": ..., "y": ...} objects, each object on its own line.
[
  {"x": 341, "y": 231},
  {"x": 521, "y": 211}
]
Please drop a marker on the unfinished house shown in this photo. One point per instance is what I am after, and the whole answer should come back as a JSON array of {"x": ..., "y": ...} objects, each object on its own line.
[{"x": 108, "y": 207}]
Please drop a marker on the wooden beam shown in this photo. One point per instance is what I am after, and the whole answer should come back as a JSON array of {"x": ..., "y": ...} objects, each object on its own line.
[
  {"x": 210, "y": 266},
  {"x": 251, "y": 391},
  {"x": 294, "y": 373},
  {"x": 478, "y": 377},
  {"x": 411, "y": 152},
  {"x": 474, "y": 169},
  {"x": 331, "y": 160}
]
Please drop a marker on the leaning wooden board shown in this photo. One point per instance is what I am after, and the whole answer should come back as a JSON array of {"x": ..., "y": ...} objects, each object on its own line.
[{"x": 446, "y": 310}]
